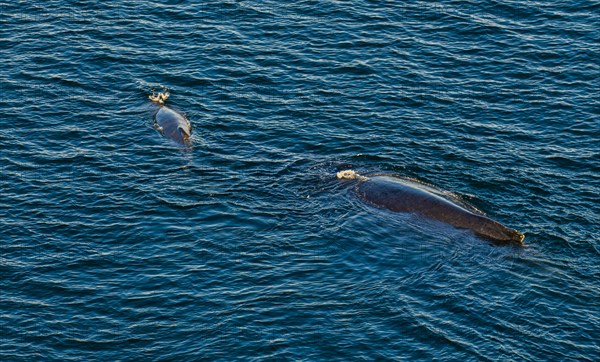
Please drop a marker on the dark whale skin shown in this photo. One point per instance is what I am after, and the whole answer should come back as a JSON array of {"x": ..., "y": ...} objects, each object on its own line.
[
  {"x": 400, "y": 195},
  {"x": 173, "y": 125}
]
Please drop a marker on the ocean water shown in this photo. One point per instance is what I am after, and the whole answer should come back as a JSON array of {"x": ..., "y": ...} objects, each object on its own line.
[{"x": 120, "y": 245}]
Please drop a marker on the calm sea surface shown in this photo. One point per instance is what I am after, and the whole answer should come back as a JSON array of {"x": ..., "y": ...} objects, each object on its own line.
[{"x": 117, "y": 244}]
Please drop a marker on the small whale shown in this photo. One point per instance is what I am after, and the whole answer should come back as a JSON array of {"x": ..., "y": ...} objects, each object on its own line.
[
  {"x": 170, "y": 123},
  {"x": 402, "y": 195}
]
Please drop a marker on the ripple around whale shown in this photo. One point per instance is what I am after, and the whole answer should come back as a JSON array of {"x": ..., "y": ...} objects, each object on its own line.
[{"x": 118, "y": 244}]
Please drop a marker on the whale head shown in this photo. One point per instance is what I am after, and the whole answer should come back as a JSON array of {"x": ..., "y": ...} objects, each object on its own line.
[
  {"x": 350, "y": 175},
  {"x": 159, "y": 98}
]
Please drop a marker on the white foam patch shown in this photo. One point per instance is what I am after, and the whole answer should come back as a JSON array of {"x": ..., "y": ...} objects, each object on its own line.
[{"x": 159, "y": 97}]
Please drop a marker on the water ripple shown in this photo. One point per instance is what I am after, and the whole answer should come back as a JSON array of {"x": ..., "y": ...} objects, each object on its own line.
[{"x": 120, "y": 244}]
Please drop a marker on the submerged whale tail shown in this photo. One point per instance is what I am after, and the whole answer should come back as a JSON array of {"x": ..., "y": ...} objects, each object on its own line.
[
  {"x": 497, "y": 232},
  {"x": 159, "y": 98}
]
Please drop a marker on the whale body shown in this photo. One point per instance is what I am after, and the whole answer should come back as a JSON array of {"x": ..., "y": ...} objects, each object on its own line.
[
  {"x": 402, "y": 195},
  {"x": 173, "y": 125}
]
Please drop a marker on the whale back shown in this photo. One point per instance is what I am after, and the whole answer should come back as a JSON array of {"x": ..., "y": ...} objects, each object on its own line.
[
  {"x": 401, "y": 195},
  {"x": 173, "y": 125}
]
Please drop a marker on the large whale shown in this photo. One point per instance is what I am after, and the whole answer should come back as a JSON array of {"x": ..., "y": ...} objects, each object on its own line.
[
  {"x": 402, "y": 195},
  {"x": 169, "y": 123}
]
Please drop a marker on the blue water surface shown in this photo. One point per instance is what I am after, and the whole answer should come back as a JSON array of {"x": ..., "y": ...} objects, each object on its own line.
[{"x": 120, "y": 245}]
